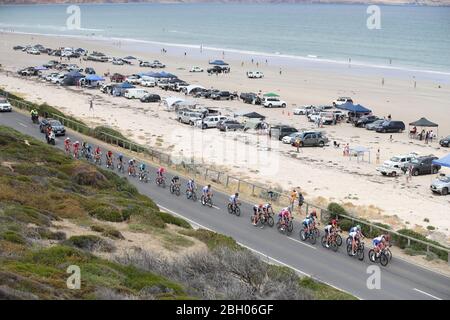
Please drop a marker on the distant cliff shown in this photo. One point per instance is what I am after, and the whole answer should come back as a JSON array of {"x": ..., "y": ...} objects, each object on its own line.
[{"x": 392, "y": 2}]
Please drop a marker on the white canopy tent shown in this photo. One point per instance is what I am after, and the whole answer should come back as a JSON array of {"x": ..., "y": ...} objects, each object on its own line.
[
  {"x": 170, "y": 101},
  {"x": 192, "y": 87}
]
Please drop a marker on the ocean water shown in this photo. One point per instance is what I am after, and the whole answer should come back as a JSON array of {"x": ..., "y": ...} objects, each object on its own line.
[{"x": 410, "y": 37}]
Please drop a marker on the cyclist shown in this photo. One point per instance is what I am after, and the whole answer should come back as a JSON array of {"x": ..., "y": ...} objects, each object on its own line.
[
  {"x": 190, "y": 185},
  {"x": 380, "y": 243},
  {"x": 67, "y": 144},
  {"x": 234, "y": 200},
  {"x": 309, "y": 221},
  {"x": 257, "y": 210},
  {"x": 266, "y": 209},
  {"x": 88, "y": 152},
  {"x": 160, "y": 173},
  {"x": 109, "y": 159},
  {"x": 76, "y": 147},
  {"x": 131, "y": 168},
  {"x": 284, "y": 217},
  {"x": 142, "y": 170},
  {"x": 175, "y": 181},
  {"x": 329, "y": 230},
  {"x": 120, "y": 161},
  {"x": 97, "y": 153},
  {"x": 207, "y": 192},
  {"x": 355, "y": 234}
]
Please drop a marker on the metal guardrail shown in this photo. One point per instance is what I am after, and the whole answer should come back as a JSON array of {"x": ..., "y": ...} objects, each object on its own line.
[{"x": 277, "y": 198}]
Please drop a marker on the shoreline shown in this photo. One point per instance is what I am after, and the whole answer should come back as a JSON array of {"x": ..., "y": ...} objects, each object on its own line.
[{"x": 280, "y": 60}]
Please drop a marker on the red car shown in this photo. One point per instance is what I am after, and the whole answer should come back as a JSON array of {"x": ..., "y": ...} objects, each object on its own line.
[{"x": 117, "y": 77}]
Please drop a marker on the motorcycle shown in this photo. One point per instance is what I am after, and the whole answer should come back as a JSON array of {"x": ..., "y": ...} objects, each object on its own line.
[
  {"x": 51, "y": 138},
  {"x": 35, "y": 119}
]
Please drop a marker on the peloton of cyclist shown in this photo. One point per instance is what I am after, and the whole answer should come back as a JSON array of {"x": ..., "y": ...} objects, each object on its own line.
[
  {"x": 355, "y": 234},
  {"x": 97, "y": 153},
  {"x": 329, "y": 230}
]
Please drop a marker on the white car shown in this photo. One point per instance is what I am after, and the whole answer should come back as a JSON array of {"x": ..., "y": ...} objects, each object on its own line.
[
  {"x": 342, "y": 100},
  {"x": 303, "y": 110},
  {"x": 33, "y": 51},
  {"x": 157, "y": 64},
  {"x": 196, "y": 69},
  {"x": 147, "y": 83},
  {"x": 117, "y": 62},
  {"x": 393, "y": 167},
  {"x": 255, "y": 74},
  {"x": 291, "y": 138},
  {"x": 210, "y": 121},
  {"x": 273, "y": 102},
  {"x": 58, "y": 79},
  {"x": 50, "y": 76},
  {"x": 5, "y": 106},
  {"x": 133, "y": 79}
]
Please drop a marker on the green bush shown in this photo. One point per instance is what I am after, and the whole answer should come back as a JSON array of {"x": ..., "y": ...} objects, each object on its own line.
[
  {"x": 89, "y": 243},
  {"x": 336, "y": 208},
  {"x": 345, "y": 224},
  {"x": 211, "y": 239},
  {"x": 107, "y": 213},
  {"x": 403, "y": 243},
  {"x": 13, "y": 236}
]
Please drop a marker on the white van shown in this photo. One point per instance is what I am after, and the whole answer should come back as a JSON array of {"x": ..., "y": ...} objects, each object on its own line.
[{"x": 135, "y": 93}]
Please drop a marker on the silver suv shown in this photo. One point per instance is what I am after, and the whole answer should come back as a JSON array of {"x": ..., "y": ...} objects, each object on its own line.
[{"x": 441, "y": 185}]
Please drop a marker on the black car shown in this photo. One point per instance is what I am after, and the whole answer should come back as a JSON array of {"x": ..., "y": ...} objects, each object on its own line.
[
  {"x": 281, "y": 131},
  {"x": 151, "y": 98},
  {"x": 222, "y": 95},
  {"x": 361, "y": 122},
  {"x": 251, "y": 98},
  {"x": 391, "y": 126},
  {"x": 423, "y": 165},
  {"x": 218, "y": 69},
  {"x": 56, "y": 126},
  {"x": 445, "y": 142},
  {"x": 18, "y": 47},
  {"x": 89, "y": 70},
  {"x": 228, "y": 125}
]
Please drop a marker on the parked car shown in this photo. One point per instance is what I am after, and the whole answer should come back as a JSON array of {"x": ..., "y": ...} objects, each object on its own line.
[
  {"x": 135, "y": 93},
  {"x": 361, "y": 122},
  {"x": 57, "y": 127},
  {"x": 117, "y": 77},
  {"x": 372, "y": 126},
  {"x": 441, "y": 185},
  {"x": 51, "y": 64},
  {"x": 189, "y": 117},
  {"x": 394, "y": 166},
  {"x": 89, "y": 70},
  {"x": 255, "y": 74},
  {"x": 229, "y": 125},
  {"x": 74, "y": 67},
  {"x": 133, "y": 79},
  {"x": 117, "y": 62},
  {"x": 27, "y": 72},
  {"x": 422, "y": 165},
  {"x": 33, "y": 51},
  {"x": 218, "y": 69},
  {"x": 221, "y": 95},
  {"x": 445, "y": 142},
  {"x": 311, "y": 139},
  {"x": 148, "y": 83},
  {"x": 250, "y": 97},
  {"x": 304, "y": 110},
  {"x": 196, "y": 69},
  {"x": 279, "y": 132},
  {"x": 150, "y": 98},
  {"x": 157, "y": 64},
  {"x": 391, "y": 126},
  {"x": 5, "y": 106},
  {"x": 144, "y": 64},
  {"x": 270, "y": 102},
  {"x": 210, "y": 121},
  {"x": 18, "y": 47},
  {"x": 342, "y": 100},
  {"x": 290, "y": 138}
]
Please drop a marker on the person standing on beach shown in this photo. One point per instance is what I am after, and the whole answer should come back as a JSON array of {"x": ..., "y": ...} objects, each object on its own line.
[
  {"x": 431, "y": 136},
  {"x": 294, "y": 197},
  {"x": 409, "y": 174},
  {"x": 427, "y": 135},
  {"x": 280, "y": 71},
  {"x": 252, "y": 60},
  {"x": 378, "y": 156}
]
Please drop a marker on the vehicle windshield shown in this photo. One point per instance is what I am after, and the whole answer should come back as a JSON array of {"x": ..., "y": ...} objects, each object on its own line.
[
  {"x": 444, "y": 179},
  {"x": 415, "y": 161},
  {"x": 55, "y": 123},
  {"x": 395, "y": 159},
  {"x": 3, "y": 100}
]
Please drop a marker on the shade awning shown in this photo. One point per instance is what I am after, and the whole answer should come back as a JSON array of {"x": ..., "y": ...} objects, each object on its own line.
[
  {"x": 170, "y": 101},
  {"x": 423, "y": 122},
  {"x": 356, "y": 108},
  {"x": 218, "y": 63},
  {"x": 125, "y": 85},
  {"x": 443, "y": 162},
  {"x": 254, "y": 115},
  {"x": 94, "y": 77},
  {"x": 271, "y": 94},
  {"x": 192, "y": 87}
]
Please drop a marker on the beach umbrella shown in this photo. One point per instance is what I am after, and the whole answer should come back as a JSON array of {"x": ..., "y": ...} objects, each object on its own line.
[{"x": 271, "y": 94}]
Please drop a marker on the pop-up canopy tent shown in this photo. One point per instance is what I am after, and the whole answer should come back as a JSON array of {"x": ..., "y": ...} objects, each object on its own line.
[
  {"x": 72, "y": 78},
  {"x": 120, "y": 88},
  {"x": 355, "y": 108},
  {"x": 170, "y": 101},
  {"x": 443, "y": 162},
  {"x": 254, "y": 115},
  {"x": 130, "y": 58},
  {"x": 359, "y": 153},
  {"x": 218, "y": 63},
  {"x": 271, "y": 94},
  {"x": 94, "y": 77},
  {"x": 194, "y": 87},
  {"x": 425, "y": 123}
]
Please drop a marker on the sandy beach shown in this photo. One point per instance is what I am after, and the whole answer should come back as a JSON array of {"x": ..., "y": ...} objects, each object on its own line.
[{"x": 323, "y": 174}]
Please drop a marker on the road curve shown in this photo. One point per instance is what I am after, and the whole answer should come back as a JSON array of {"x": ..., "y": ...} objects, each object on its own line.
[{"x": 399, "y": 280}]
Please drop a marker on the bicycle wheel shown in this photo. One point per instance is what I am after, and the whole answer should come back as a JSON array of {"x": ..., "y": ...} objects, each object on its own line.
[
  {"x": 334, "y": 246},
  {"x": 312, "y": 238},
  {"x": 338, "y": 240},
  {"x": 230, "y": 208},
  {"x": 177, "y": 191},
  {"x": 383, "y": 259},
  {"x": 188, "y": 196},
  {"x": 171, "y": 189},
  {"x": 348, "y": 240},
  {"x": 302, "y": 235},
  {"x": 290, "y": 227},
  {"x": 372, "y": 255},
  {"x": 237, "y": 211},
  {"x": 349, "y": 249},
  {"x": 323, "y": 240},
  {"x": 163, "y": 183},
  {"x": 388, "y": 254},
  {"x": 202, "y": 200},
  {"x": 316, "y": 233},
  {"x": 360, "y": 253},
  {"x": 209, "y": 203},
  {"x": 270, "y": 221},
  {"x": 194, "y": 196}
]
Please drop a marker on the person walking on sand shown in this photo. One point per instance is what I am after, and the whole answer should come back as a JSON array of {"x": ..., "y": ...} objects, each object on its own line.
[
  {"x": 378, "y": 156},
  {"x": 409, "y": 174},
  {"x": 427, "y": 134},
  {"x": 431, "y": 136}
]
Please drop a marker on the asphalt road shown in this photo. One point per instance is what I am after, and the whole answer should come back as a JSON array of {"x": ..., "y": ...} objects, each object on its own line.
[{"x": 399, "y": 280}]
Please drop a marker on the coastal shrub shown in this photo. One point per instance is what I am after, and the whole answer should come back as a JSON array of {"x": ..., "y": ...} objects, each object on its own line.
[
  {"x": 13, "y": 236},
  {"x": 336, "y": 208},
  {"x": 89, "y": 243},
  {"x": 403, "y": 243},
  {"x": 345, "y": 224},
  {"x": 211, "y": 239},
  {"x": 106, "y": 213}
]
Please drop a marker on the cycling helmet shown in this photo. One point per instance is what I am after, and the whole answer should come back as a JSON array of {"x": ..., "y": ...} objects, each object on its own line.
[
  {"x": 236, "y": 194},
  {"x": 314, "y": 213},
  {"x": 209, "y": 186},
  {"x": 260, "y": 206},
  {"x": 333, "y": 222},
  {"x": 67, "y": 139},
  {"x": 358, "y": 227}
]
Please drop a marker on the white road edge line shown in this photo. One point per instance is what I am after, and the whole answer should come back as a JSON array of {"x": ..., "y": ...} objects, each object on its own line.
[
  {"x": 305, "y": 244},
  {"x": 260, "y": 253},
  {"x": 427, "y": 294},
  {"x": 23, "y": 125}
]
